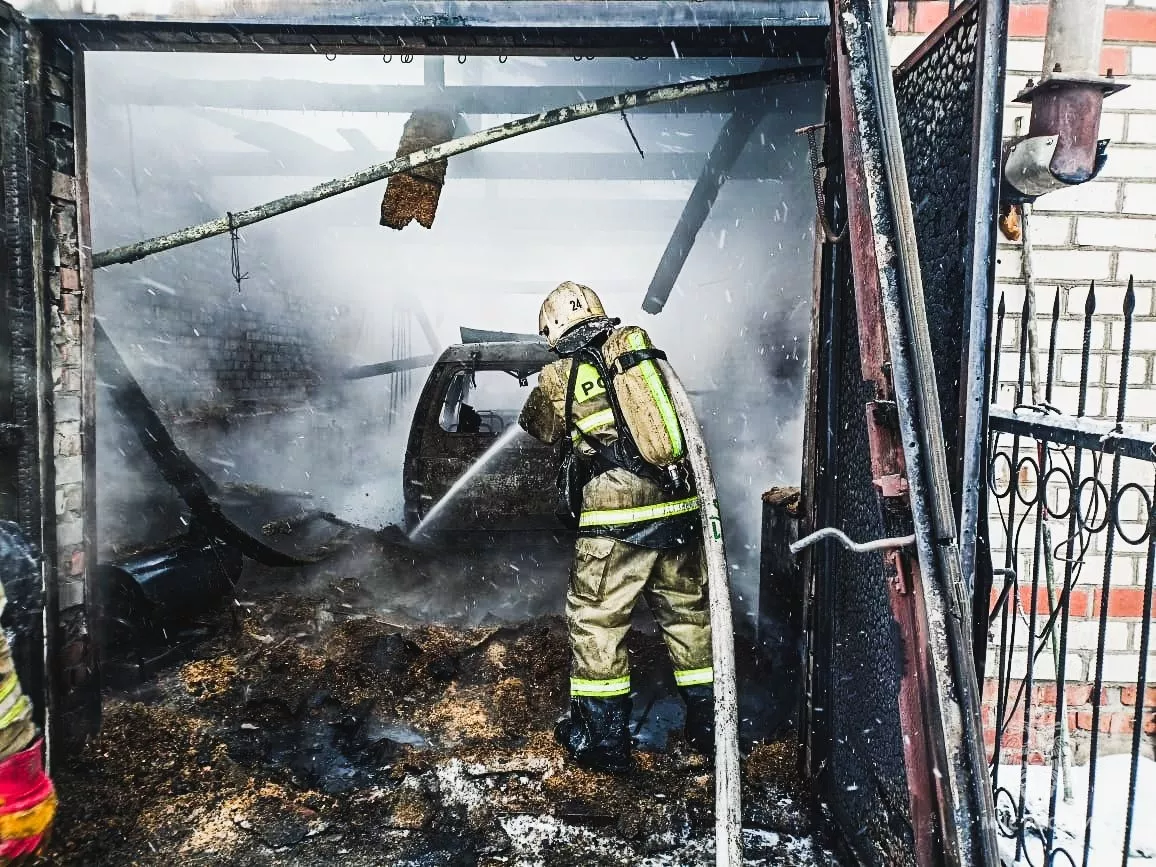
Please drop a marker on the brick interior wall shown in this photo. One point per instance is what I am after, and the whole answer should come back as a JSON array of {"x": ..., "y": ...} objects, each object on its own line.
[
  {"x": 66, "y": 309},
  {"x": 200, "y": 349},
  {"x": 216, "y": 363},
  {"x": 222, "y": 364},
  {"x": 1103, "y": 231}
]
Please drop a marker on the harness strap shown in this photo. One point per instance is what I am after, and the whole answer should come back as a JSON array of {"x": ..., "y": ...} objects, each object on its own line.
[
  {"x": 605, "y": 456},
  {"x": 635, "y": 357},
  {"x": 624, "y": 452}
]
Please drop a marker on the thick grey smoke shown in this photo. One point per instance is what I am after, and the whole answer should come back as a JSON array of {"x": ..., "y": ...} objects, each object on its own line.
[{"x": 339, "y": 290}]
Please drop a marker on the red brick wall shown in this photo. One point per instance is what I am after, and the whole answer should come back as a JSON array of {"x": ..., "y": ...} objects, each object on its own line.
[
  {"x": 1029, "y": 20},
  {"x": 1117, "y": 718},
  {"x": 1118, "y": 696}
]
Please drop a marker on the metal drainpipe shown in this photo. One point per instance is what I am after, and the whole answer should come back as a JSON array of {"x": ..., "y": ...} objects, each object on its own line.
[{"x": 1062, "y": 147}]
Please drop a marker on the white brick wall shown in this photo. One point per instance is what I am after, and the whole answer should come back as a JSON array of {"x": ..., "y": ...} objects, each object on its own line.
[
  {"x": 1129, "y": 161},
  {"x": 1097, "y": 196},
  {"x": 1141, "y": 266},
  {"x": 1104, "y": 230},
  {"x": 1139, "y": 198},
  {"x": 1141, "y": 129},
  {"x": 1076, "y": 668},
  {"x": 1052, "y": 231},
  {"x": 1062, "y": 262},
  {"x": 1084, "y": 634},
  {"x": 1123, "y": 668},
  {"x": 1143, "y": 61},
  {"x": 1135, "y": 234}
]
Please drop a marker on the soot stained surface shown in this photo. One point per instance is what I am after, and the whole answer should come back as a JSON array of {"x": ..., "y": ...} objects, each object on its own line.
[
  {"x": 856, "y": 712},
  {"x": 318, "y": 726}
]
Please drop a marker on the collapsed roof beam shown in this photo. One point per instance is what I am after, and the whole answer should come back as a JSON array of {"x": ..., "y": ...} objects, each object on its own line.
[
  {"x": 365, "y": 371},
  {"x": 731, "y": 141},
  {"x": 566, "y": 114}
]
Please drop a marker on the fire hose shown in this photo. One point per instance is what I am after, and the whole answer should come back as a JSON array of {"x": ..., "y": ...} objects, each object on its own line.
[{"x": 727, "y": 784}]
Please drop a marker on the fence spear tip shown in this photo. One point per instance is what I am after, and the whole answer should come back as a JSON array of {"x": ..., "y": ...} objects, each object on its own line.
[
  {"x": 1090, "y": 301},
  {"x": 1129, "y": 298}
]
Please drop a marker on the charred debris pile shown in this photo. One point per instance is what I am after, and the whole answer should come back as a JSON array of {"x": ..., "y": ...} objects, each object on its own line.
[{"x": 312, "y": 725}]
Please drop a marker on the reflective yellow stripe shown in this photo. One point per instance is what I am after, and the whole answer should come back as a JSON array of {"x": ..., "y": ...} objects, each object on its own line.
[
  {"x": 594, "y": 421},
  {"x": 11, "y": 700},
  {"x": 694, "y": 676},
  {"x": 8, "y": 684},
  {"x": 22, "y": 706},
  {"x": 602, "y": 688},
  {"x": 658, "y": 392},
  {"x": 613, "y": 517}
]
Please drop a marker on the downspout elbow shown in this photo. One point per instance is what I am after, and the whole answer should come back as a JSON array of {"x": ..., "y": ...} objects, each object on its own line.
[
  {"x": 1041, "y": 164},
  {"x": 1063, "y": 147}
]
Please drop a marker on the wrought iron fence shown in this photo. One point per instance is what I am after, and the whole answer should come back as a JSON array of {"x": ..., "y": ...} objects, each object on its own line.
[{"x": 1073, "y": 523}]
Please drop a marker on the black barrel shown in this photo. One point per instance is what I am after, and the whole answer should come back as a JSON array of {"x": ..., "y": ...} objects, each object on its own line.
[{"x": 169, "y": 584}]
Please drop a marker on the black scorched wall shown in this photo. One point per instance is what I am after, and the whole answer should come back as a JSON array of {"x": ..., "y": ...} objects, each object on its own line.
[
  {"x": 935, "y": 94},
  {"x": 857, "y": 760}
]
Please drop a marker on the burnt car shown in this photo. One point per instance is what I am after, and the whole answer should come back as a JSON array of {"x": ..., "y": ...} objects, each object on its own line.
[{"x": 472, "y": 397}]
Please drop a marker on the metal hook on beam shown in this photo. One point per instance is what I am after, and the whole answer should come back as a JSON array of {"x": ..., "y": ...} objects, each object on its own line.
[{"x": 818, "y": 168}]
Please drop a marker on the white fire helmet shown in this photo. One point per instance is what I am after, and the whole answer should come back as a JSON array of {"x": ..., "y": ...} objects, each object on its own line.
[{"x": 569, "y": 305}]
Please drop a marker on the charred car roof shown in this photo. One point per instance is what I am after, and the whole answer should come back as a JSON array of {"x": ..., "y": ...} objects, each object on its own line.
[{"x": 523, "y": 356}]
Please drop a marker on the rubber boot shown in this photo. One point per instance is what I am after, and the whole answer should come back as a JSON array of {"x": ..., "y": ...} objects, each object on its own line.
[
  {"x": 699, "y": 702},
  {"x": 596, "y": 734}
]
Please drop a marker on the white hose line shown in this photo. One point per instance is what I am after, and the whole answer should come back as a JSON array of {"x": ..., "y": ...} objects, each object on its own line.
[
  {"x": 728, "y": 809},
  {"x": 846, "y": 541}
]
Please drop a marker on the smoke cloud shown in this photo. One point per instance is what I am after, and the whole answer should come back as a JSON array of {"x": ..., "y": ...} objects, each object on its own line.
[{"x": 250, "y": 375}]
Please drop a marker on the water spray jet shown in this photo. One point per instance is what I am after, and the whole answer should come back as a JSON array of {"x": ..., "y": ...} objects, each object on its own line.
[{"x": 499, "y": 445}]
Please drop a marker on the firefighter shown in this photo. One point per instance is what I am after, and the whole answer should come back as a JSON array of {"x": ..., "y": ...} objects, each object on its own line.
[
  {"x": 27, "y": 797},
  {"x": 638, "y": 531}
]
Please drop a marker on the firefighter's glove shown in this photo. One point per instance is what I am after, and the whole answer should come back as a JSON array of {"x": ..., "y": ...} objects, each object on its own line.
[
  {"x": 27, "y": 805},
  {"x": 539, "y": 419}
]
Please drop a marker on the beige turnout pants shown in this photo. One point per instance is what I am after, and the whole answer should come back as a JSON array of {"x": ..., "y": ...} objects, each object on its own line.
[{"x": 605, "y": 584}]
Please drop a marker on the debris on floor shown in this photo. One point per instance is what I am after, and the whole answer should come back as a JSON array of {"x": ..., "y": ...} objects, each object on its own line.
[{"x": 310, "y": 730}]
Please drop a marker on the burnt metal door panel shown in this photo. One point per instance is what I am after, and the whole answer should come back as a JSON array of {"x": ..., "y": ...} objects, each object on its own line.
[
  {"x": 949, "y": 93},
  {"x": 935, "y": 94},
  {"x": 21, "y": 333}
]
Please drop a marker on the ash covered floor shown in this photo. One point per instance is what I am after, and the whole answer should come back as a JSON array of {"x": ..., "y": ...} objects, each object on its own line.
[{"x": 324, "y": 718}]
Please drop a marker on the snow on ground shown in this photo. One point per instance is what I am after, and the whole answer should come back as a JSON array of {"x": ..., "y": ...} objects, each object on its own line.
[
  {"x": 1108, "y": 817},
  {"x": 535, "y": 838}
]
